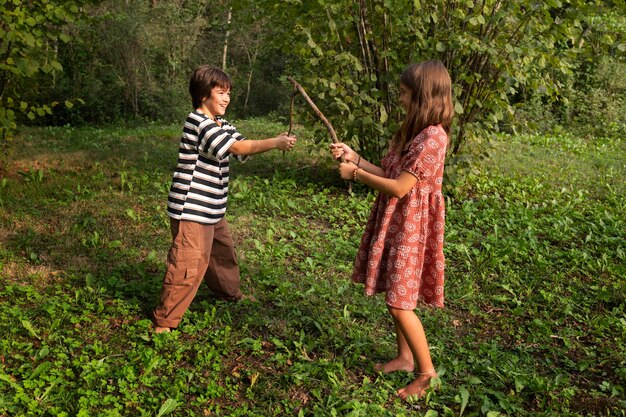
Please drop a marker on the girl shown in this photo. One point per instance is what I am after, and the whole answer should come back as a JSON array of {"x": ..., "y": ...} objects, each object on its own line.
[{"x": 401, "y": 252}]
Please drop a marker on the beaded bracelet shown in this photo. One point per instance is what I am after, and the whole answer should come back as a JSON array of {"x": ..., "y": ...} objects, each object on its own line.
[{"x": 354, "y": 173}]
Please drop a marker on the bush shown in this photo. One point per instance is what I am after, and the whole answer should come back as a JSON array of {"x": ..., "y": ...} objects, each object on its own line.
[
  {"x": 591, "y": 103},
  {"x": 599, "y": 105}
]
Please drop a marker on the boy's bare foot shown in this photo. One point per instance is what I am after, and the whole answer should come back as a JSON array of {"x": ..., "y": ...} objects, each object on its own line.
[
  {"x": 159, "y": 329},
  {"x": 396, "y": 364},
  {"x": 418, "y": 387},
  {"x": 247, "y": 297}
]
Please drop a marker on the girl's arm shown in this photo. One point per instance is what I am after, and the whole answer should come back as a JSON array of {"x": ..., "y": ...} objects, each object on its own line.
[
  {"x": 339, "y": 149},
  {"x": 369, "y": 167},
  {"x": 252, "y": 147},
  {"x": 397, "y": 187}
]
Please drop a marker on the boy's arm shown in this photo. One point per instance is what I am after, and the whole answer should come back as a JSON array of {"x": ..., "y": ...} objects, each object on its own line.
[{"x": 253, "y": 147}]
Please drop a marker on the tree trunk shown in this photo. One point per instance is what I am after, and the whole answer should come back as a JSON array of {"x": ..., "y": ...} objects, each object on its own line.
[
  {"x": 251, "y": 61},
  {"x": 230, "y": 15}
]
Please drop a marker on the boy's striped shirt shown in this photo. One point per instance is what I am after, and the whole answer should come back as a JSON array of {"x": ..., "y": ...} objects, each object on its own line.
[{"x": 199, "y": 187}]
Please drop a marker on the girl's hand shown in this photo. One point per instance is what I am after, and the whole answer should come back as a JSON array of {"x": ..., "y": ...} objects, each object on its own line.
[
  {"x": 346, "y": 170},
  {"x": 339, "y": 149},
  {"x": 285, "y": 143}
]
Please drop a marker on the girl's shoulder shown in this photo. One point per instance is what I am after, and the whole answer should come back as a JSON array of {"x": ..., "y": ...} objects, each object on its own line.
[
  {"x": 429, "y": 134},
  {"x": 431, "y": 130}
]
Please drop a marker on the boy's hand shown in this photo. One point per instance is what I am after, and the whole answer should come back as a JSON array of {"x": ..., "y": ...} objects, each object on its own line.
[
  {"x": 285, "y": 143},
  {"x": 339, "y": 149}
]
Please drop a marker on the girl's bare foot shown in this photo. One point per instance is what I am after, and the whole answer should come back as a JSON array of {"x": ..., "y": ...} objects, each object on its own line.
[
  {"x": 396, "y": 364},
  {"x": 418, "y": 387},
  {"x": 162, "y": 329}
]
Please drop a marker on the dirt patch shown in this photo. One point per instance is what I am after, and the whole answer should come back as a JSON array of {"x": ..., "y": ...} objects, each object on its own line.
[
  {"x": 22, "y": 273},
  {"x": 68, "y": 162}
]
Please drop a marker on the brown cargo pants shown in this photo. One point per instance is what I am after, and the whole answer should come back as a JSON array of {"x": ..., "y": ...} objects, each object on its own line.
[{"x": 198, "y": 251}]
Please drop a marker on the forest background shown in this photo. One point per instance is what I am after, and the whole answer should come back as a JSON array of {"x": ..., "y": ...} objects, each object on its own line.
[
  {"x": 92, "y": 97},
  {"x": 517, "y": 65}
]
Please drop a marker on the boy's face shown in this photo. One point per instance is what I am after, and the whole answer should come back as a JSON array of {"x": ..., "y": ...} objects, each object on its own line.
[{"x": 218, "y": 102}]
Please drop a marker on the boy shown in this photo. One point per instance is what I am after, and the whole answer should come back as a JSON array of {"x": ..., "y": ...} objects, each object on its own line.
[{"x": 202, "y": 245}]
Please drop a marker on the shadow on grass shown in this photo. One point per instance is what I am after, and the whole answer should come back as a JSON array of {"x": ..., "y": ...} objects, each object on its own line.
[
  {"x": 80, "y": 148},
  {"x": 73, "y": 239}
]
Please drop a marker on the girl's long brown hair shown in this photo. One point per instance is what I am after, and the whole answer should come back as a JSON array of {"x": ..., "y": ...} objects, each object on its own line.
[{"x": 431, "y": 101}]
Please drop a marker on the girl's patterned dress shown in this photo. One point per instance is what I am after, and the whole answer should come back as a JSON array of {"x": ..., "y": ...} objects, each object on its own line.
[{"x": 401, "y": 252}]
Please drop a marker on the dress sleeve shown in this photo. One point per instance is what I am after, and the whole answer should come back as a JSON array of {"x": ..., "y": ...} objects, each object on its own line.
[{"x": 427, "y": 153}]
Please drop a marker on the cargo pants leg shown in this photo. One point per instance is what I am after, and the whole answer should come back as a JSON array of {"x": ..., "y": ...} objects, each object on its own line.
[
  {"x": 187, "y": 263},
  {"x": 222, "y": 275}
]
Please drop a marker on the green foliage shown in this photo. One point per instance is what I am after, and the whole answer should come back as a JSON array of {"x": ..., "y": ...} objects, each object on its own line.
[
  {"x": 598, "y": 106},
  {"x": 30, "y": 34},
  {"x": 535, "y": 290},
  {"x": 556, "y": 62},
  {"x": 591, "y": 97},
  {"x": 350, "y": 55},
  {"x": 594, "y": 105},
  {"x": 129, "y": 60}
]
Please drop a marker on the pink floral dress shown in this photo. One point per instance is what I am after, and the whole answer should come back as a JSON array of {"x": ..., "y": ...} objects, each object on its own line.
[{"x": 401, "y": 252}]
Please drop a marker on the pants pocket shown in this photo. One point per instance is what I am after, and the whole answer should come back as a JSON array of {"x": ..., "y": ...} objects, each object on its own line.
[{"x": 182, "y": 267}]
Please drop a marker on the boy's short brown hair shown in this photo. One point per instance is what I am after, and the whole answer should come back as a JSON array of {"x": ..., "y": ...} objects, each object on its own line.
[{"x": 203, "y": 80}]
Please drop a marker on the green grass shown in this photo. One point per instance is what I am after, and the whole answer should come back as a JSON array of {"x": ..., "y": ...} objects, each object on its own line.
[{"x": 534, "y": 322}]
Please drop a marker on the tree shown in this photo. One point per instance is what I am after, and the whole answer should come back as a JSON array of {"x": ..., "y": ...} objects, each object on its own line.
[
  {"x": 598, "y": 92},
  {"x": 30, "y": 33},
  {"x": 351, "y": 53},
  {"x": 255, "y": 64},
  {"x": 131, "y": 59}
]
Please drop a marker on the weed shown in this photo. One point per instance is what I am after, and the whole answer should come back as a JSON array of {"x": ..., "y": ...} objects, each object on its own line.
[{"x": 32, "y": 175}]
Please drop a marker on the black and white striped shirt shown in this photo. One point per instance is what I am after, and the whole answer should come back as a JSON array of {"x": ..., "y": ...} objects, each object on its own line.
[{"x": 199, "y": 188}]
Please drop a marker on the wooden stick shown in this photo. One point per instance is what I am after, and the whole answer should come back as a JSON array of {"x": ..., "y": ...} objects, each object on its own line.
[
  {"x": 317, "y": 111},
  {"x": 293, "y": 96}
]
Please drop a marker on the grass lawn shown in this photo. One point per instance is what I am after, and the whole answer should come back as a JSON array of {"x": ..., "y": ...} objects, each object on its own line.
[{"x": 534, "y": 323}]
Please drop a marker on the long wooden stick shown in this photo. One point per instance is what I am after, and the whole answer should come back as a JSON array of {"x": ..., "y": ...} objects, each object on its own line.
[
  {"x": 323, "y": 118},
  {"x": 293, "y": 96},
  {"x": 317, "y": 111}
]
